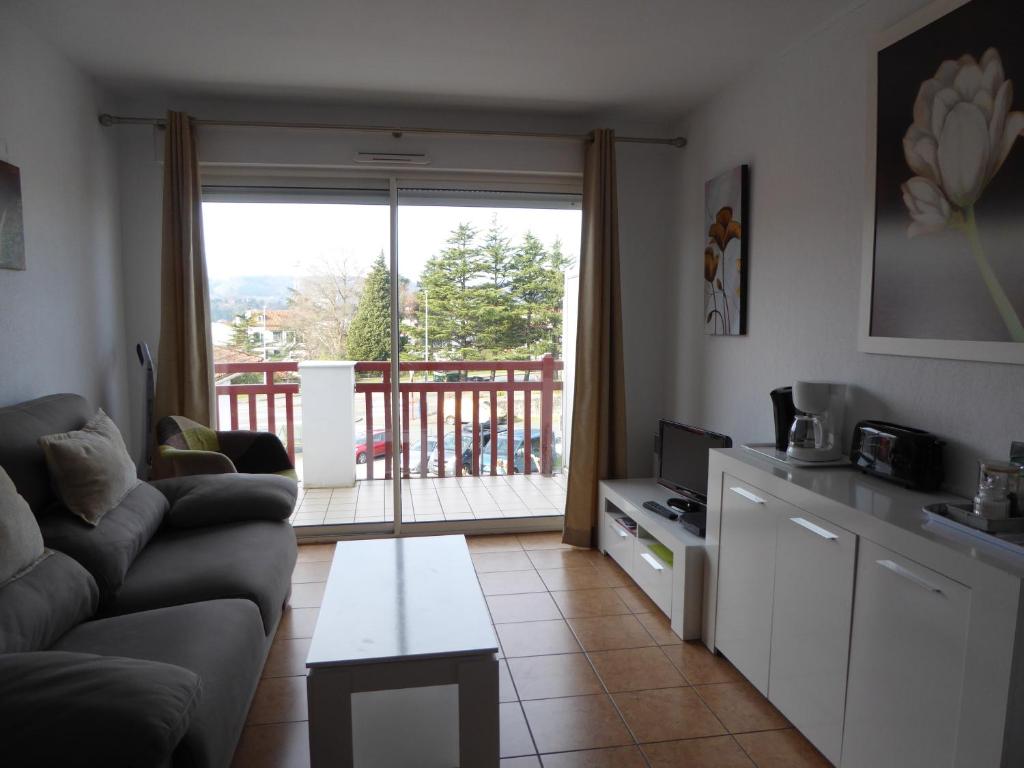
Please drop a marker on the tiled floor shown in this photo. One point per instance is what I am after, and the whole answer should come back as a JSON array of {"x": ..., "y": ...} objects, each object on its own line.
[
  {"x": 591, "y": 674},
  {"x": 425, "y": 499}
]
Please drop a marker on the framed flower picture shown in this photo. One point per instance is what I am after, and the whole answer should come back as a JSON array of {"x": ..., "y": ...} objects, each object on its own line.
[
  {"x": 725, "y": 253},
  {"x": 12, "y": 235},
  {"x": 943, "y": 268}
]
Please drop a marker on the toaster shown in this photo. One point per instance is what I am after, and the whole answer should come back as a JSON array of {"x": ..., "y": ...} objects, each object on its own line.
[{"x": 904, "y": 455}]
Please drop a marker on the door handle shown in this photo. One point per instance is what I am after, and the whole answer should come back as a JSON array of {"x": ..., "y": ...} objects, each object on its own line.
[
  {"x": 909, "y": 575},
  {"x": 652, "y": 561},
  {"x": 746, "y": 494},
  {"x": 815, "y": 529}
]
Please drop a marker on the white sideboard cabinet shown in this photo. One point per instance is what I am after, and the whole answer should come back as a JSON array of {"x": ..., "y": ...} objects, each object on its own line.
[{"x": 888, "y": 639}]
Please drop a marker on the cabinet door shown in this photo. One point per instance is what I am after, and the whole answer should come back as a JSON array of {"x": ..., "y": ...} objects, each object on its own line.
[
  {"x": 746, "y": 571},
  {"x": 906, "y": 664},
  {"x": 813, "y": 603}
]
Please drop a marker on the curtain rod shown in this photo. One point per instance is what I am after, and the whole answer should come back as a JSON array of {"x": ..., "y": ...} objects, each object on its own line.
[{"x": 108, "y": 120}]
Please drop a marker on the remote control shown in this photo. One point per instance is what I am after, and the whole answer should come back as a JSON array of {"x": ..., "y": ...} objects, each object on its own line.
[{"x": 661, "y": 509}]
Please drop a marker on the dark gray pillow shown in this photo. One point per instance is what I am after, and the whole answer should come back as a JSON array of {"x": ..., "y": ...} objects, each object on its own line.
[
  {"x": 198, "y": 500},
  {"x": 42, "y": 603},
  {"x": 107, "y": 549},
  {"x": 21, "y": 544},
  {"x": 77, "y": 709}
]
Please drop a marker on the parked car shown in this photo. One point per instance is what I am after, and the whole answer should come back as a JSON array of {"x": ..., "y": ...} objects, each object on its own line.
[
  {"x": 520, "y": 453},
  {"x": 467, "y": 450},
  {"x": 379, "y": 446}
]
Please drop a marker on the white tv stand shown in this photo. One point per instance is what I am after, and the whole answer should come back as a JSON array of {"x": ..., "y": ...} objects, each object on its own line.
[{"x": 676, "y": 587}]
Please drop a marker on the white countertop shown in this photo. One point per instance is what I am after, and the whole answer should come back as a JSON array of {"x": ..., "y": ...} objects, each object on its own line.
[
  {"x": 884, "y": 502},
  {"x": 399, "y": 599}
]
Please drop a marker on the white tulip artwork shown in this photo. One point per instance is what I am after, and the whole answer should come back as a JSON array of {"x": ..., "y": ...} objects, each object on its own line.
[
  {"x": 944, "y": 246},
  {"x": 725, "y": 253}
]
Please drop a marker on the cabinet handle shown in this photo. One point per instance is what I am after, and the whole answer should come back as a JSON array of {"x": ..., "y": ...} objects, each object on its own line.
[
  {"x": 815, "y": 529},
  {"x": 652, "y": 561},
  {"x": 622, "y": 534},
  {"x": 746, "y": 494},
  {"x": 909, "y": 575}
]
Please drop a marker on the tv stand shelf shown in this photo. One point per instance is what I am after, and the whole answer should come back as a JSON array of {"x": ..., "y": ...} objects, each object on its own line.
[{"x": 664, "y": 559}]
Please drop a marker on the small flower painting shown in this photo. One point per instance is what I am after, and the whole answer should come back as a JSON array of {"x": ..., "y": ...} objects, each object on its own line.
[
  {"x": 725, "y": 247},
  {"x": 12, "y": 237},
  {"x": 948, "y": 255}
]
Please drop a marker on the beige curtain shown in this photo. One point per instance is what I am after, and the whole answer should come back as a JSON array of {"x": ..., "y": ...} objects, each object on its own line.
[
  {"x": 599, "y": 402},
  {"x": 184, "y": 382}
]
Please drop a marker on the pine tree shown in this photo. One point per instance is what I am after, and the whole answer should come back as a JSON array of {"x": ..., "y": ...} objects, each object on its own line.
[
  {"x": 242, "y": 338},
  {"x": 496, "y": 320},
  {"x": 449, "y": 292},
  {"x": 369, "y": 335}
]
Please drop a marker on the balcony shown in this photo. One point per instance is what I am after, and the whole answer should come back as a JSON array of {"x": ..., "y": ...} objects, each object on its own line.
[{"x": 451, "y": 468}]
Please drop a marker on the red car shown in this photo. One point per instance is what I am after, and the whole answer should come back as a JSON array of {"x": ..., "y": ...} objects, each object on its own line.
[{"x": 379, "y": 447}]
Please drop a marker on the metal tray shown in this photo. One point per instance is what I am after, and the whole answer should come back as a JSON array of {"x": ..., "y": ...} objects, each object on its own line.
[{"x": 963, "y": 514}]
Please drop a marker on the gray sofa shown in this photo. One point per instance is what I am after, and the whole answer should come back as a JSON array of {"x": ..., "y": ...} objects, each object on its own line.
[{"x": 140, "y": 641}]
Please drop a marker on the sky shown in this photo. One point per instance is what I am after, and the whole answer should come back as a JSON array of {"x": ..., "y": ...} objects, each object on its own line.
[{"x": 297, "y": 239}]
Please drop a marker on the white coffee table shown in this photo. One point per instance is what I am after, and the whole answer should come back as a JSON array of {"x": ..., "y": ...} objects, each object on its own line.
[{"x": 402, "y": 613}]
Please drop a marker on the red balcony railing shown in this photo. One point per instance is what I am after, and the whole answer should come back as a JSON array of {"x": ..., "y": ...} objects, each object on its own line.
[{"x": 488, "y": 384}]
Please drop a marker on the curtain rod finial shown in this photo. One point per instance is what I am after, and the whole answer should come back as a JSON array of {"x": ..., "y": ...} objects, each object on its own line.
[
  {"x": 679, "y": 141},
  {"x": 106, "y": 120}
]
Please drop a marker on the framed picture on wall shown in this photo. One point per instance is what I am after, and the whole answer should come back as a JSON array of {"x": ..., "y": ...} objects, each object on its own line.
[
  {"x": 943, "y": 268},
  {"x": 725, "y": 253},
  {"x": 12, "y": 232}
]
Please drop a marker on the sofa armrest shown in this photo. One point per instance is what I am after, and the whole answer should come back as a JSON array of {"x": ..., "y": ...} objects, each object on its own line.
[
  {"x": 195, "y": 462},
  {"x": 200, "y": 500},
  {"x": 255, "y": 452},
  {"x": 78, "y": 709}
]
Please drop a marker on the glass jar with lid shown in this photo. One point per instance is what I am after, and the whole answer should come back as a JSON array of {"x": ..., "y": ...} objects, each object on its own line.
[{"x": 996, "y": 480}]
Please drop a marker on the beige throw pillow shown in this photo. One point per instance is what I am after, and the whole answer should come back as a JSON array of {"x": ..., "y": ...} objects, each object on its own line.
[
  {"x": 90, "y": 467},
  {"x": 21, "y": 543}
]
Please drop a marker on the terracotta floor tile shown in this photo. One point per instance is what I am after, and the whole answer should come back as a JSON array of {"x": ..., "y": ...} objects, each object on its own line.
[
  {"x": 287, "y": 657},
  {"x": 577, "y": 722},
  {"x": 636, "y": 599},
  {"x": 547, "y": 540},
  {"x": 710, "y": 752},
  {"x": 307, "y": 595},
  {"x": 500, "y": 543},
  {"x": 532, "y": 761},
  {"x": 781, "y": 749},
  {"x": 515, "y": 735},
  {"x": 311, "y": 553},
  {"x": 297, "y": 622},
  {"x": 279, "y": 700},
  {"x": 635, "y": 669},
  {"x": 488, "y": 562},
  {"x": 607, "y": 633},
  {"x": 660, "y": 628},
  {"x": 531, "y": 606},
  {"x": 506, "y": 690},
  {"x": 614, "y": 575},
  {"x": 699, "y": 665},
  {"x": 273, "y": 746},
  {"x": 668, "y": 713},
  {"x": 589, "y": 602},
  {"x": 584, "y": 577},
  {"x": 510, "y": 582},
  {"x": 563, "y": 558},
  {"x": 315, "y": 571},
  {"x": 616, "y": 757},
  {"x": 536, "y": 638},
  {"x": 741, "y": 707},
  {"x": 549, "y": 677}
]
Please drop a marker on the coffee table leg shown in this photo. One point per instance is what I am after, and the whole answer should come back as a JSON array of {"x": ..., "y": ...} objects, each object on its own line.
[
  {"x": 329, "y": 696},
  {"x": 478, "y": 713}
]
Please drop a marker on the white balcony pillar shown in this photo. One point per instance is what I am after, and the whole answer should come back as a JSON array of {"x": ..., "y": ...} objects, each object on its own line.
[{"x": 328, "y": 432}]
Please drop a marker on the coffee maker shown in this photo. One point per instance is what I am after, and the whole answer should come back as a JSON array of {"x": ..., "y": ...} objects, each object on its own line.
[{"x": 816, "y": 432}]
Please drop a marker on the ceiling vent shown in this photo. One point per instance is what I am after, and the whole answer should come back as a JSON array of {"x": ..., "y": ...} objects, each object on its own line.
[{"x": 391, "y": 158}]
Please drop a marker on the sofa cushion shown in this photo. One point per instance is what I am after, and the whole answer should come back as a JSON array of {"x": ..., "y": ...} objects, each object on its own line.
[
  {"x": 72, "y": 709},
  {"x": 252, "y": 560},
  {"x": 199, "y": 500},
  {"x": 21, "y": 426},
  {"x": 108, "y": 548},
  {"x": 222, "y": 641},
  {"x": 90, "y": 467},
  {"x": 43, "y": 602},
  {"x": 21, "y": 543}
]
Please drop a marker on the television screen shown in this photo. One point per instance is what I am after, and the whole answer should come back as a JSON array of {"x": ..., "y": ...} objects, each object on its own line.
[{"x": 684, "y": 457}]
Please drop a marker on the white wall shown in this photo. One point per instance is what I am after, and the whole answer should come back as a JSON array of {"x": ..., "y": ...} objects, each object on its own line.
[
  {"x": 800, "y": 122},
  {"x": 645, "y": 184},
  {"x": 61, "y": 322}
]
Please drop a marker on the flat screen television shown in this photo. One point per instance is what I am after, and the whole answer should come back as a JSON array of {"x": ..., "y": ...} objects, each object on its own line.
[{"x": 683, "y": 464}]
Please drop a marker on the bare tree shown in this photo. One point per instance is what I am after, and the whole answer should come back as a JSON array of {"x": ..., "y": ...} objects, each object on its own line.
[{"x": 321, "y": 309}]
